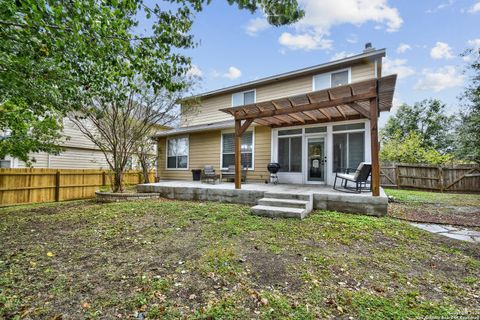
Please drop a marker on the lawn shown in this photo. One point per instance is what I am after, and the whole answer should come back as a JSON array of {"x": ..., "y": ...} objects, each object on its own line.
[
  {"x": 435, "y": 207},
  {"x": 170, "y": 259}
]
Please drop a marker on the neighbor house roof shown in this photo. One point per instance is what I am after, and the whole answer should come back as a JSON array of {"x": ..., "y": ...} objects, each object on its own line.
[
  {"x": 198, "y": 128},
  {"x": 368, "y": 54}
]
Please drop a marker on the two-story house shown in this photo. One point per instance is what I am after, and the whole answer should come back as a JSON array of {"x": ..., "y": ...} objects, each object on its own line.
[{"x": 283, "y": 118}]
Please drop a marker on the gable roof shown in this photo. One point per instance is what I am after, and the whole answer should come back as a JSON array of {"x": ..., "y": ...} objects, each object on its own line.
[{"x": 370, "y": 54}]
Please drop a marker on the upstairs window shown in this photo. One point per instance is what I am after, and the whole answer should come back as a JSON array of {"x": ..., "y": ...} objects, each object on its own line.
[
  {"x": 243, "y": 98},
  {"x": 331, "y": 80},
  {"x": 177, "y": 153}
]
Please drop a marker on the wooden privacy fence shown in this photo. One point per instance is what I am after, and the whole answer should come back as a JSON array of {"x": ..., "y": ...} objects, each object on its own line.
[
  {"x": 456, "y": 178},
  {"x": 46, "y": 185}
]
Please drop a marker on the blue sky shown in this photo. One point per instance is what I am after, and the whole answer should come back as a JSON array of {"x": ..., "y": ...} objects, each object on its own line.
[{"x": 423, "y": 40}]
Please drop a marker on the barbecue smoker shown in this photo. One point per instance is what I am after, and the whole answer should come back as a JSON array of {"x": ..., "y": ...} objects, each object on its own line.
[{"x": 273, "y": 168}]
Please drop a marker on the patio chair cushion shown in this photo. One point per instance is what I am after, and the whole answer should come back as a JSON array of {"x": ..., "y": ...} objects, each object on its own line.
[{"x": 346, "y": 176}]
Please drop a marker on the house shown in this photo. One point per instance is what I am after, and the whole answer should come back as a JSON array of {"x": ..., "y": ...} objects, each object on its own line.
[
  {"x": 78, "y": 152},
  {"x": 314, "y": 122}
]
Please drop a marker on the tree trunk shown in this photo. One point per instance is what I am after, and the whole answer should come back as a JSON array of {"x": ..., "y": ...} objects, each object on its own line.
[
  {"x": 118, "y": 181},
  {"x": 145, "y": 168}
]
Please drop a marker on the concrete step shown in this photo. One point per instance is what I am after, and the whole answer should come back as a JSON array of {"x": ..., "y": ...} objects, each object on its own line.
[
  {"x": 285, "y": 203},
  {"x": 290, "y": 196},
  {"x": 279, "y": 212}
]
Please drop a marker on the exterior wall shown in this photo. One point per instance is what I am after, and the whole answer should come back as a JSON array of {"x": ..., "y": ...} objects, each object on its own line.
[
  {"x": 70, "y": 158},
  {"x": 208, "y": 110},
  {"x": 205, "y": 148}
]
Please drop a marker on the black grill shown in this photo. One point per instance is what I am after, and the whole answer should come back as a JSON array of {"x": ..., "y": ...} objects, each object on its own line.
[{"x": 273, "y": 167}]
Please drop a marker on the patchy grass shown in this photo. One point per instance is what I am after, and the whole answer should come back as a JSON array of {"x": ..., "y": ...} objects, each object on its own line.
[
  {"x": 170, "y": 260},
  {"x": 435, "y": 207}
]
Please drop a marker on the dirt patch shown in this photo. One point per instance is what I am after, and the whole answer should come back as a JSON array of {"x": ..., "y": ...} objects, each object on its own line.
[{"x": 467, "y": 216}]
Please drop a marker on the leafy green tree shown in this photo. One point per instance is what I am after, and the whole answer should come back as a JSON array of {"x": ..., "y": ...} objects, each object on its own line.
[
  {"x": 428, "y": 119},
  {"x": 468, "y": 129},
  {"x": 410, "y": 148},
  {"x": 58, "y": 56}
]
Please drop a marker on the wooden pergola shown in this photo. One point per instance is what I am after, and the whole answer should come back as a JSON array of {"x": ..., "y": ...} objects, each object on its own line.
[{"x": 358, "y": 100}]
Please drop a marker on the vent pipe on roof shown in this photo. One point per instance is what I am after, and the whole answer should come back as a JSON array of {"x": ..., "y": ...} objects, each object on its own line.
[{"x": 368, "y": 47}]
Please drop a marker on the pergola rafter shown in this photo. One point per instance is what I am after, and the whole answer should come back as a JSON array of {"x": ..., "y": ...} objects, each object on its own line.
[{"x": 358, "y": 100}]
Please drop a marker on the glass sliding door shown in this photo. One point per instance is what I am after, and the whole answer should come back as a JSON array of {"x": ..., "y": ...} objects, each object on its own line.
[{"x": 316, "y": 159}]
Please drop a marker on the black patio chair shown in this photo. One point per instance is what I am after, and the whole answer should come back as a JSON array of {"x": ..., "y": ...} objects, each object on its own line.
[
  {"x": 359, "y": 178},
  {"x": 209, "y": 175}
]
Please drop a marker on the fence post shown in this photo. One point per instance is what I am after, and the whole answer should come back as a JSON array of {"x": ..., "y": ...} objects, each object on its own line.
[
  {"x": 57, "y": 186},
  {"x": 397, "y": 178},
  {"x": 440, "y": 176},
  {"x": 104, "y": 179}
]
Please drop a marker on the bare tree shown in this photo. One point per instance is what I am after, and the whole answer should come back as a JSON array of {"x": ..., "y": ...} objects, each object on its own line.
[
  {"x": 119, "y": 126},
  {"x": 146, "y": 154}
]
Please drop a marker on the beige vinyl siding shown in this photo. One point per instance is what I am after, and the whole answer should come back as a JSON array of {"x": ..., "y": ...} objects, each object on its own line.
[
  {"x": 74, "y": 137},
  {"x": 208, "y": 110},
  {"x": 364, "y": 71},
  {"x": 70, "y": 158},
  {"x": 204, "y": 149}
]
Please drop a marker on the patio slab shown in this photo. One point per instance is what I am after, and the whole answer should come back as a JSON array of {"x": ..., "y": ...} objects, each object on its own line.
[
  {"x": 458, "y": 233},
  {"x": 324, "y": 197}
]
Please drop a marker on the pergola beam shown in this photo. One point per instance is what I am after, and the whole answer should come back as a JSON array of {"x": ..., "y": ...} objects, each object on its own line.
[
  {"x": 303, "y": 107},
  {"x": 355, "y": 106}
]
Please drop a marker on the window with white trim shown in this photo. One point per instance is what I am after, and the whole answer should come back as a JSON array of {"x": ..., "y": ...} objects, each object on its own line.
[
  {"x": 243, "y": 98},
  {"x": 290, "y": 150},
  {"x": 177, "y": 153},
  {"x": 348, "y": 147},
  {"x": 331, "y": 79},
  {"x": 246, "y": 148}
]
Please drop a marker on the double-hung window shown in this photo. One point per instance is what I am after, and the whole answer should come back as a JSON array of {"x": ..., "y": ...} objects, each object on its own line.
[
  {"x": 246, "y": 148},
  {"x": 348, "y": 146},
  {"x": 331, "y": 79},
  {"x": 177, "y": 153},
  {"x": 243, "y": 98}
]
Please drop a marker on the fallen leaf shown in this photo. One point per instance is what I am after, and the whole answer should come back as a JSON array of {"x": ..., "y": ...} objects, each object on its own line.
[{"x": 50, "y": 254}]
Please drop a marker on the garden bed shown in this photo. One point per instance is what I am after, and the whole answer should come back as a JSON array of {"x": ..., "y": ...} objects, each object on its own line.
[{"x": 103, "y": 196}]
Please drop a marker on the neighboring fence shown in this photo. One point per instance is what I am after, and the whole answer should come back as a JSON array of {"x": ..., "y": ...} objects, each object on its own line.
[
  {"x": 46, "y": 185},
  {"x": 456, "y": 178}
]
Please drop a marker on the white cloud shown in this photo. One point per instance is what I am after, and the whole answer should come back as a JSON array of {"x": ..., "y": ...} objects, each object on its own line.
[
  {"x": 304, "y": 41},
  {"x": 475, "y": 8},
  {"x": 233, "y": 73},
  {"x": 474, "y": 43},
  {"x": 321, "y": 16},
  {"x": 352, "y": 38},
  {"x": 194, "y": 71},
  {"x": 441, "y": 51},
  {"x": 396, "y": 102},
  {"x": 403, "y": 47},
  {"x": 256, "y": 25},
  {"x": 441, "y": 6},
  {"x": 397, "y": 66},
  {"x": 440, "y": 79},
  {"x": 341, "y": 55}
]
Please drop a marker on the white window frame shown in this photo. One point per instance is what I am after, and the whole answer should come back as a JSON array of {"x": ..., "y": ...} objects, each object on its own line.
[
  {"x": 243, "y": 92},
  {"x": 166, "y": 154},
  {"x": 252, "y": 130},
  {"x": 364, "y": 130},
  {"x": 349, "y": 69},
  {"x": 295, "y": 135}
]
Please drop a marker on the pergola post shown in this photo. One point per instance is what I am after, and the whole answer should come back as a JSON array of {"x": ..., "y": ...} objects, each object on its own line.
[
  {"x": 238, "y": 154},
  {"x": 239, "y": 130},
  {"x": 374, "y": 147}
]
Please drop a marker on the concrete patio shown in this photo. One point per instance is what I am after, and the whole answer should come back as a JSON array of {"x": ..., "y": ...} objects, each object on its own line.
[{"x": 324, "y": 197}]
